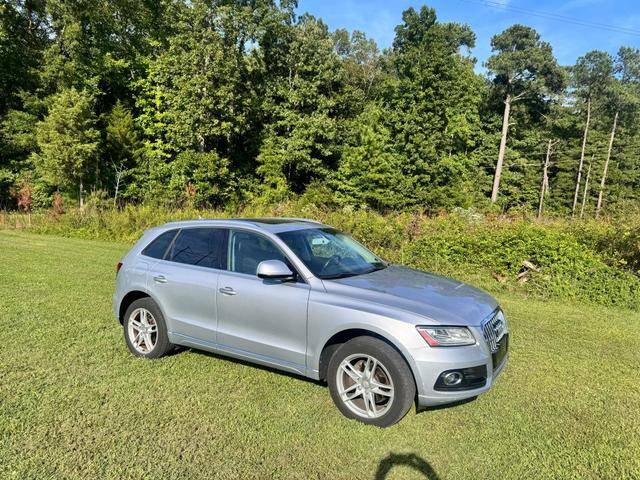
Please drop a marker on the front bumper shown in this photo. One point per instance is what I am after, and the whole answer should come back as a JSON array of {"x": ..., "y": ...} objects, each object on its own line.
[{"x": 431, "y": 362}]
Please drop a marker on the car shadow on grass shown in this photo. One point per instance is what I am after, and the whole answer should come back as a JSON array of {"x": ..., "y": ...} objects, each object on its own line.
[
  {"x": 410, "y": 460},
  {"x": 445, "y": 405},
  {"x": 248, "y": 363},
  {"x": 299, "y": 376}
]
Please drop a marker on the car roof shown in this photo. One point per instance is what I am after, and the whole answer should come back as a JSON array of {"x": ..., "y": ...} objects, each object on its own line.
[{"x": 270, "y": 224}]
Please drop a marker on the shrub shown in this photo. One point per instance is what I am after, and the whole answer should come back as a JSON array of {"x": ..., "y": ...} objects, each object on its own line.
[{"x": 593, "y": 262}]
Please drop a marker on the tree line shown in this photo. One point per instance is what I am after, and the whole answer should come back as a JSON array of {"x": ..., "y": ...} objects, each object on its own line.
[{"x": 207, "y": 103}]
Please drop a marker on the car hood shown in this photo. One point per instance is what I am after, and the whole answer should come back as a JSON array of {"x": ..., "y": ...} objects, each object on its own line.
[{"x": 443, "y": 300}]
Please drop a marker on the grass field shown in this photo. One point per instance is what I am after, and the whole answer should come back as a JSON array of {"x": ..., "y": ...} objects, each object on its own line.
[{"x": 75, "y": 404}]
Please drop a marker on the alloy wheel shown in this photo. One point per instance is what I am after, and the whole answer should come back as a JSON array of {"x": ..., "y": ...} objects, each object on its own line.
[
  {"x": 365, "y": 386},
  {"x": 142, "y": 330}
]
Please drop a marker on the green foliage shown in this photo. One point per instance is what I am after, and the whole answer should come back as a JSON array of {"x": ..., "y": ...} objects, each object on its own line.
[
  {"x": 200, "y": 180},
  {"x": 67, "y": 140},
  {"x": 370, "y": 171},
  {"x": 298, "y": 143},
  {"x": 289, "y": 105},
  {"x": 21, "y": 42},
  {"x": 523, "y": 64},
  {"x": 434, "y": 110},
  {"x": 589, "y": 261},
  {"x": 592, "y": 74}
]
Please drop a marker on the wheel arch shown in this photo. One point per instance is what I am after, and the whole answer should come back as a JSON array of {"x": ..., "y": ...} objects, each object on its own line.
[
  {"x": 128, "y": 299},
  {"x": 343, "y": 336}
]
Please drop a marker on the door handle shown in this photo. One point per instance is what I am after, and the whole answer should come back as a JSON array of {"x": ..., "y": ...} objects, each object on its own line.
[
  {"x": 160, "y": 279},
  {"x": 227, "y": 291}
]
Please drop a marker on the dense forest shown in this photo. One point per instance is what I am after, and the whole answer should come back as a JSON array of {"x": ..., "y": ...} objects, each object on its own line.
[{"x": 208, "y": 103}]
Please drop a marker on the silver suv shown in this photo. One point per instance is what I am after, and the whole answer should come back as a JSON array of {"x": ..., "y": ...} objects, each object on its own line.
[{"x": 301, "y": 296}]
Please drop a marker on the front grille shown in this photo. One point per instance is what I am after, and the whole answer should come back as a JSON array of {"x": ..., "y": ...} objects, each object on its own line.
[{"x": 493, "y": 330}]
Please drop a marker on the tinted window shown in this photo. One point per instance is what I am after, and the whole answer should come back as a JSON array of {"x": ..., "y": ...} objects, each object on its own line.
[
  {"x": 157, "y": 248},
  {"x": 205, "y": 247},
  {"x": 249, "y": 249}
]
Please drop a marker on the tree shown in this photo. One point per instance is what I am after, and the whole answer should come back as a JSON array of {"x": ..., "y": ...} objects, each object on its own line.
[
  {"x": 522, "y": 67},
  {"x": 201, "y": 179},
  {"x": 205, "y": 80},
  {"x": 122, "y": 144},
  {"x": 624, "y": 96},
  {"x": 305, "y": 81},
  {"x": 22, "y": 38},
  {"x": 591, "y": 76},
  {"x": 433, "y": 97},
  {"x": 361, "y": 60},
  {"x": 370, "y": 171},
  {"x": 68, "y": 141}
]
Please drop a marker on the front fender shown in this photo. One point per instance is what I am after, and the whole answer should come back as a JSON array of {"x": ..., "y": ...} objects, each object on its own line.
[{"x": 328, "y": 316}]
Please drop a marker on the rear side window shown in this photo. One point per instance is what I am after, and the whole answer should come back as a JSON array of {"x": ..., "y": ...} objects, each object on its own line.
[
  {"x": 204, "y": 247},
  {"x": 158, "y": 247}
]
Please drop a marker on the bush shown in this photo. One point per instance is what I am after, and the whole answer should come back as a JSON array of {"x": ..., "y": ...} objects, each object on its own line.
[{"x": 589, "y": 261}]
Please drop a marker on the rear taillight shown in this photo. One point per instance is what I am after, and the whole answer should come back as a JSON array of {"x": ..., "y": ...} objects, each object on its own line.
[{"x": 118, "y": 267}]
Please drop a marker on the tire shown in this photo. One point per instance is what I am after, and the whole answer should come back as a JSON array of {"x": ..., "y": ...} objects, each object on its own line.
[
  {"x": 141, "y": 311},
  {"x": 377, "y": 394}
]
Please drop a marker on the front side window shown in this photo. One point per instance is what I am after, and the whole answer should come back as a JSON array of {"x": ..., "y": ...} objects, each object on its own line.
[
  {"x": 329, "y": 253},
  {"x": 204, "y": 247},
  {"x": 248, "y": 249},
  {"x": 158, "y": 247}
]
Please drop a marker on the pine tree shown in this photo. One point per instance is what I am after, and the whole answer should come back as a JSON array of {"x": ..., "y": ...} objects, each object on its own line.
[{"x": 68, "y": 141}]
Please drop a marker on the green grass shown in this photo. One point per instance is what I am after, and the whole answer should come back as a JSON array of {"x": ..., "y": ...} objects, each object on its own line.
[{"x": 75, "y": 404}]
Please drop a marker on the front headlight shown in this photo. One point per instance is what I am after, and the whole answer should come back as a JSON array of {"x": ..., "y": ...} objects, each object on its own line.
[{"x": 447, "y": 336}]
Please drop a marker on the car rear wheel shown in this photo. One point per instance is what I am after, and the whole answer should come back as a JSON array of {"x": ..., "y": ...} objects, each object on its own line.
[
  {"x": 370, "y": 381},
  {"x": 145, "y": 330}
]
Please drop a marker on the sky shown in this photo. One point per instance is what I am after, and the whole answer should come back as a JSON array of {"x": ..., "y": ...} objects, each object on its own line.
[{"x": 569, "y": 37}]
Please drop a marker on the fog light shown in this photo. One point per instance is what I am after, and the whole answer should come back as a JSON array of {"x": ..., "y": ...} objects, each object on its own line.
[{"x": 452, "y": 378}]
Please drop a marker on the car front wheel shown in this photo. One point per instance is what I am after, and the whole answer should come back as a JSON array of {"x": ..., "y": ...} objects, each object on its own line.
[{"x": 370, "y": 381}]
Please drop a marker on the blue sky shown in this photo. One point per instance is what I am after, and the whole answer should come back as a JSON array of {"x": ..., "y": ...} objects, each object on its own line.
[{"x": 377, "y": 18}]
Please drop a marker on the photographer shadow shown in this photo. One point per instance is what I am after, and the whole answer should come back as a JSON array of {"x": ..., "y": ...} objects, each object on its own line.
[{"x": 410, "y": 460}]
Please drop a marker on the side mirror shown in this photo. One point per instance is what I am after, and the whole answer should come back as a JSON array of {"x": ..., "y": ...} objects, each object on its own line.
[{"x": 274, "y": 270}]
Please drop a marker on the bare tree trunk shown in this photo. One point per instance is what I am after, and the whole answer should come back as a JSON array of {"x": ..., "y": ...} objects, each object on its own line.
[
  {"x": 584, "y": 146},
  {"x": 606, "y": 165},
  {"x": 503, "y": 146},
  {"x": 98, "y": 182},
  {"x": 545, "y": 179},
  {"x": 80, "y": 195},
  {"x": 586, "y": 188},
  {"x": 119, "y": 172}
]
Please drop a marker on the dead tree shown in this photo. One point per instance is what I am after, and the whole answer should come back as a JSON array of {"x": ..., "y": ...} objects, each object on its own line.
[
  {"x": 586, "y": 188},
  {"x": 544, "y": 187},
  {"x": 584, "y": 146},
  {"x": 606, "y": 165}
]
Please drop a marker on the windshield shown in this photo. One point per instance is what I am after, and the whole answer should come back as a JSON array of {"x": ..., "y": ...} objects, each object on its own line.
[{"x": 329, "y": 253}]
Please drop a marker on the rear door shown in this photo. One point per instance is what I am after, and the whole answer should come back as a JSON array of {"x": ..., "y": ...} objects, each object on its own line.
[
  {"x": 185, "y": 282},
  {"x": 263, "y": 319}
]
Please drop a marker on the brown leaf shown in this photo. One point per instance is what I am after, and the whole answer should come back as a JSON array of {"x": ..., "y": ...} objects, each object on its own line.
[{"x": 499, "y": 278}]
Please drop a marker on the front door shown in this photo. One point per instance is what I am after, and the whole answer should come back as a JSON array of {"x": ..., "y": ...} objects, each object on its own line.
[{"x": 263, "y": 319}]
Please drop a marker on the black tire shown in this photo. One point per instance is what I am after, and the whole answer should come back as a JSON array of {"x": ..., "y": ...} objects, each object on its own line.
[
  {"x": 162, "y": 345},
  {"x": 401, "y": 377}
]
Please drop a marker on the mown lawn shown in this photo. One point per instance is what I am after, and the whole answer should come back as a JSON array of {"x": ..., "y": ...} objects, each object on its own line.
[{"x": 75, "y": 404}]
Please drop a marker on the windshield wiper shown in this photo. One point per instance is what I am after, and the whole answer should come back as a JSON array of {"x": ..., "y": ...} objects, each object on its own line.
[
  {"x": 353, "y": 274},
  {"x": 340, "y": 275}
]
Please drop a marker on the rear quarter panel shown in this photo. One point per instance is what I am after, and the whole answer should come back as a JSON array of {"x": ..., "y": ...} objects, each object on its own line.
[{"x": 134, "y": 272}]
